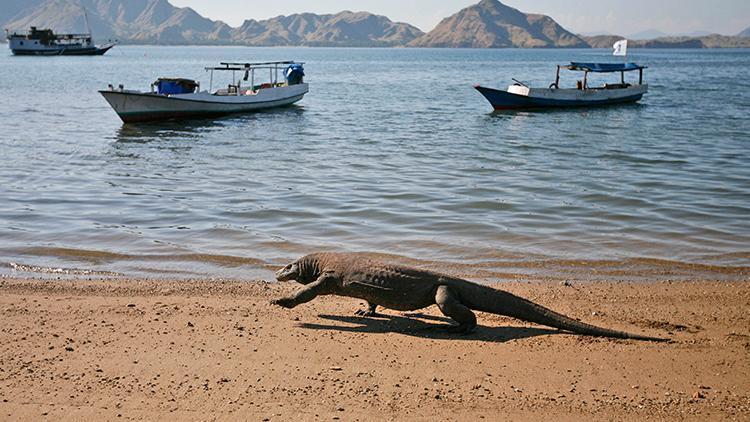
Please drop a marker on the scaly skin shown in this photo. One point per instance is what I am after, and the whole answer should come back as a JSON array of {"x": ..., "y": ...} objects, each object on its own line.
[{"x": 408, "y": 289}]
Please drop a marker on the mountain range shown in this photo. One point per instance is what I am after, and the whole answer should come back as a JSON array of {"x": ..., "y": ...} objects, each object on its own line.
[
  {"x": 706, "y": 41},
  {"x": 488, "y": 24},
  {"x": 159, "y": 22}
]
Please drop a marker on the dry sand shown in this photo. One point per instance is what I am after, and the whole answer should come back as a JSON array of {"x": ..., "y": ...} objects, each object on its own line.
[{"x": 200, "y": 350}]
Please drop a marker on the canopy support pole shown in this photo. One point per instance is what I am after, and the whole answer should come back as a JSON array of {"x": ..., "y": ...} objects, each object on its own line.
[
  {"x": 585, "y": 80},
  {"x": 640, "y": 76},
  {"x": 557, "y": 77}
]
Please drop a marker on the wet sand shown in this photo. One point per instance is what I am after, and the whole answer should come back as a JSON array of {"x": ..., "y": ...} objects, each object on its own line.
[{"x": 126, "y": 349}]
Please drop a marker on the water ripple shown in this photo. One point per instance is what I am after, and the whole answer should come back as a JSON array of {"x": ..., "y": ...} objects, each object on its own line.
[{"x": 382, "y": 156}]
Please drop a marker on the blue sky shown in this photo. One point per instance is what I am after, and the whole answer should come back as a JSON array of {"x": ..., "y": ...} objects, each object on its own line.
[{"x": 622, "y": 17}]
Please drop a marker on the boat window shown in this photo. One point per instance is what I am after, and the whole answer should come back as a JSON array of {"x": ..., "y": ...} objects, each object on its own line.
[{"x": 21, "y": 42}]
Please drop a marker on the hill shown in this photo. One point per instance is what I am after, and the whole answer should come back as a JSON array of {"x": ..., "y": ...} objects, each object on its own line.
[
  {"x": 491, "y": 24},
  {"x": 745, "y": 33},
  {"x": 12, "y": 9},
  {"x": 351, "y": 29},
  {"x": 159, "y": 22},
  {"x": 648, "y": 34},
  {"x": 602, "y": 41},
  {"x": 145, "y": 21},
  {"x": 708, "y": 41}
]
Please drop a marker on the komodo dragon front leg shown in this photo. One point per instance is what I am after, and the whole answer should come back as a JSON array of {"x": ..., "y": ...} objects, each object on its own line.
[{"x": 324, "y": 285}]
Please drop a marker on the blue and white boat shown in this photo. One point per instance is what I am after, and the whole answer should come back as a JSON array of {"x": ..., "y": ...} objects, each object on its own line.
[
  {"x": 521, "y": 96},
  {"x": 44, "y": 42}
]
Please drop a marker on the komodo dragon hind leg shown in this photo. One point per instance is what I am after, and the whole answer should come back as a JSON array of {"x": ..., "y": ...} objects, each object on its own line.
[
  {"x": 369, "y": 312},
  {"x": 451, "y": 307}
]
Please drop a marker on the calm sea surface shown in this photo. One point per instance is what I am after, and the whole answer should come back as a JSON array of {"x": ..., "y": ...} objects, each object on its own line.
[{"x": 392, "y": 151}]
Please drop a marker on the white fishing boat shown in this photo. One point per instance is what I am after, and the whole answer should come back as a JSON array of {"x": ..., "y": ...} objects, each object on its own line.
[{"x": 178, "y": 98}]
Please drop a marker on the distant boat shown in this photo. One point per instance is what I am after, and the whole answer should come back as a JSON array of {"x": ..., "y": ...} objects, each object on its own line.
[
  {"x": 521, "y": 96},
  {"x": 44, "y": 42},
  {"x": 178, "y": 98}
]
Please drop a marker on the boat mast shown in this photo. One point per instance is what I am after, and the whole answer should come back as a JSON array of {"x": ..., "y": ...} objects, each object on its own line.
[
  {"x": 88, "y": 27},
  {"x": 86, "y": 19}
]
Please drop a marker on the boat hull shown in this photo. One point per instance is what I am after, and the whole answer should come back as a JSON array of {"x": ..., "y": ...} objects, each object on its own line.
[
  {"x": 86, "y": 51},
  {"x": 134, "y": 106},
  {"x": 519, "y": 97}
]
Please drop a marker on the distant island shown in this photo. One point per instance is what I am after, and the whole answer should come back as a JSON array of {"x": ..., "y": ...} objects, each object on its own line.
[
  {"x": 491, "y": 24},
  {"x": 706, "y": 41},
  {"x": 488, "y": 24}
]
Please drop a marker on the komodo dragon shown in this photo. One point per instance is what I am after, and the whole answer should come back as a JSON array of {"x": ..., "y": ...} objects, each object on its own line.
[{"x": 408, "y": 289}]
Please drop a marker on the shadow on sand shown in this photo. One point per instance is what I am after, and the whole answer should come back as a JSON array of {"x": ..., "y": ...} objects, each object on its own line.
[{"x": 423, "y": 326}]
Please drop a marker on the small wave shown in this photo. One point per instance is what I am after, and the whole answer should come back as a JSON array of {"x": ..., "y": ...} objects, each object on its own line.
[
  {"x": 24, "y": 268},
  {"x": 105, "y": 256}
]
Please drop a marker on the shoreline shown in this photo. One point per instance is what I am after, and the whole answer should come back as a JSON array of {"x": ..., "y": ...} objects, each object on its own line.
[
  {"x": 72, "y": 264},
  {"x": 156, "y": 349}
]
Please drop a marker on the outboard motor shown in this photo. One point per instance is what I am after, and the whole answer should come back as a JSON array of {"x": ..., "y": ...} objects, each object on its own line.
[{"x": 294, "y": 74}]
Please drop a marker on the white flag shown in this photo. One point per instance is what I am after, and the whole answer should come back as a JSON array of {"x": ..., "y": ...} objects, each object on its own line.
[{"x": 621, "y": 48}]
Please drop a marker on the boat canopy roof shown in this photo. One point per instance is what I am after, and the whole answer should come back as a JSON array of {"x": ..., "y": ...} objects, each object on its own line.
[
  {"x": 247, "y": 66},
  {"x": 604, "y": 67}
]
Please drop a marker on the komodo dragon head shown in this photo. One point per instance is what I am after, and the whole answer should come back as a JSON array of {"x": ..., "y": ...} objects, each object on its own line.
[{"x": 303, "y": 271}]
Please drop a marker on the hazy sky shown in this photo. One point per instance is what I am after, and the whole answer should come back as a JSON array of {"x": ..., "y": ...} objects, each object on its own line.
[{"x": 622, "y": 17}]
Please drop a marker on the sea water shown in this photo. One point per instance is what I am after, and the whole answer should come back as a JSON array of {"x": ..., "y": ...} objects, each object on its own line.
[{"x": 391, "y": 152}]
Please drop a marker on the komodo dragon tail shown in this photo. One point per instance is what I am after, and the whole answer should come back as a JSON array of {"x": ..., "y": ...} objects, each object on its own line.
[{"x": 486, "y": 299}]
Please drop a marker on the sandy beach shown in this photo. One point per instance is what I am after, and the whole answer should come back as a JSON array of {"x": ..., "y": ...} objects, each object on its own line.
[{"x": 126, "y": 349}]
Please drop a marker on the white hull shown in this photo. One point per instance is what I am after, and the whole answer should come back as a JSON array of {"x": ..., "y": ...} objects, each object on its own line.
[{"x": 136, "y": 106}]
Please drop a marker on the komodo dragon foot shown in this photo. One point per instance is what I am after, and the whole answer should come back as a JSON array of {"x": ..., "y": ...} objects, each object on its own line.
[
  {"x": 284, "y": 303},
  {"x": 369, "y": 312}
]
